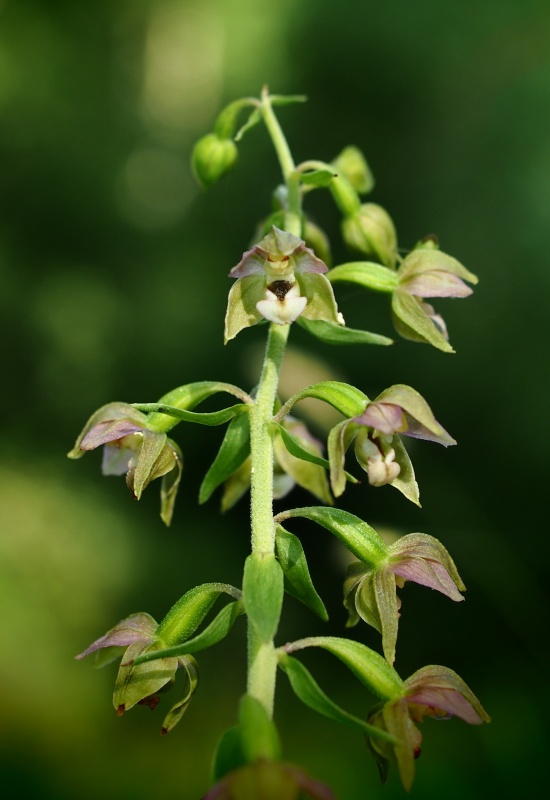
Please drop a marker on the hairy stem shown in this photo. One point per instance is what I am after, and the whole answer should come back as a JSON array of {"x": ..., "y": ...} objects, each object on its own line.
[{"x": 262, "y": 662}]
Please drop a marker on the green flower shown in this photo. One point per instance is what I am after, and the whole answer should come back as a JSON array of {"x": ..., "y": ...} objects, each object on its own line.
[
  {"x": 142, "y": 684},
  {"x": 279, "y": 279},
  {"x": 378, "y": 447},
  {"x": 131, "y": 449},
  {"x": 433, "y": 691}
]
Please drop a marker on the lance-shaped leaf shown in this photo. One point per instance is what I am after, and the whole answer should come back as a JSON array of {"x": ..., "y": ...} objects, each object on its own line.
[
  {"x": 306, "y": 689},
  {"x": 340, "y": 334},
  {"x": 202, "y": 418},
  {"x": 186, "y": 615},
  {"x": 293, "y": 561},
  {"x": 346, "y": 399},
  {"x": 231, "y": 455},
  {"x": 367, "y": 665},
  {"x": 263, "y": 588},
  {"x": 187, "y": 397},
  {"x": 259, "y": 737},
  {"x": 367, "y": 274},
  {"x": 211, "y": 635},
  {"x": 317, "y": 177},
  {"x": 310, "y": 475},
  {"x": 362, "y": 540}
]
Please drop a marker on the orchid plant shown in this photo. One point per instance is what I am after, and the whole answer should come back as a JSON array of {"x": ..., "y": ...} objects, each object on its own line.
[{"x": 282, "y": 279}]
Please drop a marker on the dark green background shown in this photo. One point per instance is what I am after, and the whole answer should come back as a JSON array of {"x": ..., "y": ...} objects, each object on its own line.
[{"x": 113, "y": 282}]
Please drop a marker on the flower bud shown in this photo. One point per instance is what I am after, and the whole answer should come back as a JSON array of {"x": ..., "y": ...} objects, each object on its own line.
[
  {"x": 212, "y": 157},
  {"x": 352, "y": 164},
  {"x": 371, "y": 231}
]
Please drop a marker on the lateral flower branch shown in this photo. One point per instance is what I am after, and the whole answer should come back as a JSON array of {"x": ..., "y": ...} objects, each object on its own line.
[{"x": 285, "y": 276}]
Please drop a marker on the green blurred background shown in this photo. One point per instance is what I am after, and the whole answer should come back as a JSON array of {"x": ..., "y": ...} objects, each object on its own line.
[{"x": 113, "y": 283}]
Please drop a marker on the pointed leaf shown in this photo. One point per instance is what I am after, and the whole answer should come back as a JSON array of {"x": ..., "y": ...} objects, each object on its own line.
[
  {"x": 339, "y": 334},
  {"x": 346, "y": 399},
  {"x": 311, "y": 477},
  {"x": 317, "y": 177},
  {"x": 231, "y": 455},
  {"x": 186, "y": 615},
  {"x": 310, "y": 693},
  {"x": 202, "y": 418},
  {"x": 254, "y": 119},
  {"x": 263, "y": 588},
  {"x": 188, "y": 397},
  {"x": 293, "y": 561},
  {"x": 367, "y": 274},
  {"x": 367, "y": 665},
  {"x": 211, "y": 635},
  {"x": 259, "y": 735},
  {"x": 228, "y": 755},
  {"x": 353, "y": 532}
]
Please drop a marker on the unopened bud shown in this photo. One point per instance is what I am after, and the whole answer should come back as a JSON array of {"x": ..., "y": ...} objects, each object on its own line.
[
  {"x": 212, "y": 157},
  {"x": 371, "y": 231}
]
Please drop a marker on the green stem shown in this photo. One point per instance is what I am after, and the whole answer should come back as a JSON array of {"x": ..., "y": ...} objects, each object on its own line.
[
  {"x": 293, "y": 215},
  {"x": 262, "y": 661}
]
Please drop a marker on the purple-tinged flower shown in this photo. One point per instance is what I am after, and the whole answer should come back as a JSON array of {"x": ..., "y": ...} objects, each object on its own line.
[
  {"x": 141, "y": 684},
  {"x": 370, "y": 591},
  {"x": 279, "y": 279},
  {"x": 131, "y": 449},
  {"x": 378, "y": 447},
  {"x": 433, "y": 691},
  {"x": 268, "y": 780},
  {"x": 425, "y": 273}
]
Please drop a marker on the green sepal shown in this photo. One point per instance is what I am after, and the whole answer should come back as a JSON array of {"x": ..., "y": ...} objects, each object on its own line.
[
  {"x": 187, "y": 397},
  {"x": 259, "y": 737},
  {"x": 362, "y": 540},
  {"x": 231, "y": 455},
  {"x": 346, "y": 399},
  {"x": 338, "y": 334},
  {"x": 211, "y": 635},
  {"x": 241, "y": 305},
  {"x": 306, "y": 689},
  {"x": 321, "y": 303},
  {"x": 295, "y": 448},
  {"x": 368, "y": 666},
  {"x": 406, "y": 480},
  {"x": 339, "y": 439},
  {"x": 134, "y": 683},
  {"x": 367, "y": 274},
  {"x": 263, "y": 588},
  {"x": 411, "y": 322},
  {"x": 318, "y": 178},
  {"x": 298, "y": 580},
  {"x": 209, "y": 418},
  {"x": 188, "y": 666},
  {"x": 186, "y": 615}
]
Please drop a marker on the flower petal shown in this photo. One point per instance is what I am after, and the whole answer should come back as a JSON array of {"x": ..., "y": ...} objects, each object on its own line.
[{"x": 135, "y": 628}]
